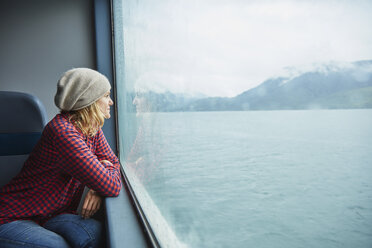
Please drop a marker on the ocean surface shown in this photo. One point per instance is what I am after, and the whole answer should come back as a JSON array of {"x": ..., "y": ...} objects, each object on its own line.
[{"x": 259, "y": 178}]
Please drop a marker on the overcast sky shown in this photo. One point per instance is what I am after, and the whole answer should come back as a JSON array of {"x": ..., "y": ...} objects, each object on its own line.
[{"x": 224, "y": 47}]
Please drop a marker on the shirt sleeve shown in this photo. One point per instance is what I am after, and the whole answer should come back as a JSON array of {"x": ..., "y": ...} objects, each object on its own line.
[
  {"x": 77, "y": 160},
  {"x": 104, "y": 151}
]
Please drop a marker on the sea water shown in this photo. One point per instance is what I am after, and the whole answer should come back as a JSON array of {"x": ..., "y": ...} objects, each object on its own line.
[{"x": 261, "y": 178}]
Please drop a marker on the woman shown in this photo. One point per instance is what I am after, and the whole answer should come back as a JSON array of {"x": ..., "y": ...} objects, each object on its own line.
[{"x": 38, "y": 207}]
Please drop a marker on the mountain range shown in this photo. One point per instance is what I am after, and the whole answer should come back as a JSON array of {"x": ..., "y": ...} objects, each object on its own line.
[{"x": 328, "y": 86}]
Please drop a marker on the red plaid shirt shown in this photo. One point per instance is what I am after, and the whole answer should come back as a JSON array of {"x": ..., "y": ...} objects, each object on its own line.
[{"x": 52, "y": 179}]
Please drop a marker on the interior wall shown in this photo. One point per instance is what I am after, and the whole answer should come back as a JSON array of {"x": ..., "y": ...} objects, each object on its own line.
[{"x": 41, "y": 39}]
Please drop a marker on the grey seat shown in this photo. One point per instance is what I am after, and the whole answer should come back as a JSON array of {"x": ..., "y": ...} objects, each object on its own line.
[{"x": 23, "y": 118}]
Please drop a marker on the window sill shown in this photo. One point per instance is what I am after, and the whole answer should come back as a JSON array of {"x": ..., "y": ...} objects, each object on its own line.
[{"x": 123, "y": 227}]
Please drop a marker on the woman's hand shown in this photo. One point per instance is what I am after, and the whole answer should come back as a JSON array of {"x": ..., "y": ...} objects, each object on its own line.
[
  {"x": 92, "y": 201},
  {"x": 91, "y": 205},
  {"x": 105, "y": 162}
]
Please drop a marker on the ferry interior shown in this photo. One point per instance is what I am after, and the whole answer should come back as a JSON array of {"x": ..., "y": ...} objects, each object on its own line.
[{"x": 40, "y": 39}]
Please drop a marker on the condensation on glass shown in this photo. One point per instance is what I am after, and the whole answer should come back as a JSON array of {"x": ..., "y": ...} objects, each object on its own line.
[{"x": 247, "y": 123}]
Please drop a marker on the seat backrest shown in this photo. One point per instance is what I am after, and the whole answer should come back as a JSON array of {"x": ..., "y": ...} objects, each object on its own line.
[{"x": 23, "y": 118}]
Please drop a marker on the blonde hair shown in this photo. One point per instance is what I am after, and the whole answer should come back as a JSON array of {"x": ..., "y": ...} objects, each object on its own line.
[{"x": 89, "y": 119}]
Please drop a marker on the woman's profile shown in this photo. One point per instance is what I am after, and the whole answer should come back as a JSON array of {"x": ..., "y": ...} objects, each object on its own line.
[{"x": 38, "y": 208}]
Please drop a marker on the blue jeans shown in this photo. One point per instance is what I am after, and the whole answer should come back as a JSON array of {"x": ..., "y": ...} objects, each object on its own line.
[{"x": 62, "y": 231}]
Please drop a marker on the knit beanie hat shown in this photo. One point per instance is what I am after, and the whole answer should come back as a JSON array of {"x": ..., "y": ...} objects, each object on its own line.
[{"x": 79, "y": 88}]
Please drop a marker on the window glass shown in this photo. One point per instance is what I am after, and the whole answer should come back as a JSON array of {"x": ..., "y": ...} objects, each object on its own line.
[{"x": 247, "y": 123}]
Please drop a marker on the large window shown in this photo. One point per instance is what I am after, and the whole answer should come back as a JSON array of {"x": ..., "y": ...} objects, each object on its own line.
[{"x": 247, "y": 123}]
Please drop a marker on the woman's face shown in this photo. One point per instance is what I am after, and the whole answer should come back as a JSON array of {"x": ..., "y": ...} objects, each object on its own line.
[{"x": 104, "y": 104}]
